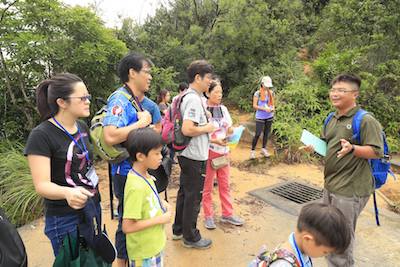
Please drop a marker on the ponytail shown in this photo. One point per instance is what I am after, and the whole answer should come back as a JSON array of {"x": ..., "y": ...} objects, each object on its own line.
[
  {"x": 41, "y": 100},
  {"x": 48, "y": 91}
]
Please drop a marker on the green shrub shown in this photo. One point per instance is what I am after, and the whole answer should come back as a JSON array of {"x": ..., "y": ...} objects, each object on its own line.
[{"x": 18, "y": 197}]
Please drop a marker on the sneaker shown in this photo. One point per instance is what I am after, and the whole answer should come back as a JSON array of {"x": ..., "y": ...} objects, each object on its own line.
[
  {"x": 209, "y": 224},
  {"x": 265, "y": 153},
  {"x": 252, "y": 154},
  {"x": 234, "y": 220},
  {"x": 177, "y": 237},
  {"x": 201, "y": 244}
]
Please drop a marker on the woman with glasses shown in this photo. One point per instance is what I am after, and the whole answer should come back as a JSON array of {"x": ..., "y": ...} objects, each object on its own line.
[{"x": 60, "y": 155}]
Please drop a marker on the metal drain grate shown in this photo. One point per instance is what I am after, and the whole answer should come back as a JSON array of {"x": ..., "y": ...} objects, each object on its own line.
[
  {"x": 289, "y": 196},
  {"x": 297, "y": 192}
]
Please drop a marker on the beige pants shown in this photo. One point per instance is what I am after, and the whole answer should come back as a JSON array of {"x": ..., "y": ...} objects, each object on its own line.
[{"x": 351, "y": 207}]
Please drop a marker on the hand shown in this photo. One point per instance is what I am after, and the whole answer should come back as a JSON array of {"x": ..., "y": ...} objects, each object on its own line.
[
  {"x": 165, "y": 217},
  {"x": 309, "y": 148},
  {"x": 77, "y": 197},
  {"x": 221, "y": 142},
  {"x": 346, "y": 148},
  {"x": 144, "y": 117},
  {"x": 166, "y": 205},
  {"x": 209, "y": 127}
]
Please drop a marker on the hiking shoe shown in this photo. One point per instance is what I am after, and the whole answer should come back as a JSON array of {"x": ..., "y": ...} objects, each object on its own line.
[
  {"x": 209, "y": 224},
  {"x": 177, "y": 237},
  {"x": 234, "y": 220},
  {"x": 265, "y": 153},
  {"x": 201, "y": 244},
  {"x": 252, "y": 154}
]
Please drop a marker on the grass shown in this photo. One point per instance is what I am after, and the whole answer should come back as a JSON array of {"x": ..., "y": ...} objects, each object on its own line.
[{"x": 18, "y": 197}]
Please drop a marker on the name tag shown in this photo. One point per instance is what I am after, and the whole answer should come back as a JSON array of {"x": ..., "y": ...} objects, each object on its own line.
[{"x": 92, "y": 176}]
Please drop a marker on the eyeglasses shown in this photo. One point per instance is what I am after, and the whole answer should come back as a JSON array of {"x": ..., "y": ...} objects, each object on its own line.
[
  {"x": 340, "y": 90},
  {"x": 82, "y": 98}
]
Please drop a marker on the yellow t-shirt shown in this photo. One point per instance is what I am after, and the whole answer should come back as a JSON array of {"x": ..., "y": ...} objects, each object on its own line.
[{"x": 141, "y": 203}]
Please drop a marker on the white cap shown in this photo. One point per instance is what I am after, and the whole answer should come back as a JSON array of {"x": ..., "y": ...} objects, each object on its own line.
[{"x": 267, "y": 81}]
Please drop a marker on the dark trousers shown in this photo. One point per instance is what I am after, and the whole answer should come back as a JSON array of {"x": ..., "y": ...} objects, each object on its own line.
[
  {"x": 120, "y": 238},
  {"x": 189, "y": 198},
  {"x": 260, "y": 126}
]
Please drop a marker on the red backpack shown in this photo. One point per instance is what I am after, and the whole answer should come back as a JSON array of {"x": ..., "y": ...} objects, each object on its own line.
[
  {"x": 171, "y": 132},
  {"x": 167, "y": 127}
]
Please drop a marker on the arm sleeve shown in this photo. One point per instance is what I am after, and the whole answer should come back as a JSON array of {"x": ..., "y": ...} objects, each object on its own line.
[
  {"x": 192, "y": 108},
  {"x": 155, "y": 114},
  {"x": 133, "y": 203},
  {"x": 371, "y": 134},
  {"x": 38, "y": 143},
  {"x": 119, "y": 111}
]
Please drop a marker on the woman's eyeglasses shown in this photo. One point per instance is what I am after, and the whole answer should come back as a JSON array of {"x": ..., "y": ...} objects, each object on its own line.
[{"x": 82, "y": 98}]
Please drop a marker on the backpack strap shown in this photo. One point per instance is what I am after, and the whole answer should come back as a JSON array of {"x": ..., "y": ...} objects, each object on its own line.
[
  {"x": 134, "y": 101},
  {"x": 176, "y": 105},
  {"x": 356, "y": 125},
  {"x": 328, "y": 119}
]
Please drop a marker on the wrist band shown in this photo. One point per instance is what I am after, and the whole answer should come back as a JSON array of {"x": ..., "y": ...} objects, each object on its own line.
[{"x": 352, "y": 148}]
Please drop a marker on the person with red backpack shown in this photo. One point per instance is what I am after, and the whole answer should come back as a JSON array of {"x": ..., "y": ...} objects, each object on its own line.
[
  {"x": 192, "y": 159},
  {"x": 349, "y": 181}
]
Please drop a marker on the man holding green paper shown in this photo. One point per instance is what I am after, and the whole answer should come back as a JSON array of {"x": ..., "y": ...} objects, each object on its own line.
[{"x": 348, "y": 177}]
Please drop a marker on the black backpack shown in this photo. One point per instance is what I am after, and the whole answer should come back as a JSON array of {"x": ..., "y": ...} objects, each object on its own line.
[{"x": 12, "y": 249}]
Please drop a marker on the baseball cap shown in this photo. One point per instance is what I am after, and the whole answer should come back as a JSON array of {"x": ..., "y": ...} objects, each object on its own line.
[{"x": 267, "y": 81}]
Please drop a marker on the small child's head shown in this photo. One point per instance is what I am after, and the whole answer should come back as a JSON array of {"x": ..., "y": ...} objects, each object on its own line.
[
  {"x": 144, "y": 145},
  {"x": 322, "y": 230}
]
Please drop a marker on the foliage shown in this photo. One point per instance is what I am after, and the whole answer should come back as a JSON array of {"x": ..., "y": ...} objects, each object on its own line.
[
  {"x": 162, "y": 79},
  {"x": 16, "y": 187},
  {"x": 42, "y": 37}
]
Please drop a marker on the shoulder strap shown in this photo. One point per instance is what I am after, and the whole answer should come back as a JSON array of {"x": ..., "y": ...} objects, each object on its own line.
[
  {"x": 130, "y": 97},
  {"x": 176, "y": 105},
  {"x": 356, "y": 125},
  {"x": 328, "y": 119}
]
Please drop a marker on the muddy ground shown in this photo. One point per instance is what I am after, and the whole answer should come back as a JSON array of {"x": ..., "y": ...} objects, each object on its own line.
[{"x": 265, "y": 224}]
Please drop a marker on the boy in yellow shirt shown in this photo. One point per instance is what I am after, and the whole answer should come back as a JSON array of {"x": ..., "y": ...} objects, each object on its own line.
[{"x": 144, "y": 213}]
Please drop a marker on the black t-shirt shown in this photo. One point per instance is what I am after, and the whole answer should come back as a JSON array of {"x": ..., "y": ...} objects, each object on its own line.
[{"x": 68, "y": 164}]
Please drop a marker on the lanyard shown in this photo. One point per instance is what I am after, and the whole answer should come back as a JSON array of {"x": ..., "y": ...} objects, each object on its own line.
[
  {"x": 154, "y": 191},
  {"x": 299, "y": 255},
  {"x": 84, "y": 150}
]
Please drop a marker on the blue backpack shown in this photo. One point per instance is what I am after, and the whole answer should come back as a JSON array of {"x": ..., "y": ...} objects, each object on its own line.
[{"x": 380, "y": 167}]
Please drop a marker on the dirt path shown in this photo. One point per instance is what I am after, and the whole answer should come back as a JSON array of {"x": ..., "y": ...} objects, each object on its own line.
[{"x": 235, "y": 246}]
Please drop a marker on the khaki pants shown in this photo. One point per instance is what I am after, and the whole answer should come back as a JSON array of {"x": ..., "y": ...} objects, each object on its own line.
[{"x": 351, "y": 207}]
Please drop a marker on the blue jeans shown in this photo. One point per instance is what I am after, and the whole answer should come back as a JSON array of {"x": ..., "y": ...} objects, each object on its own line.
[{"x": 57, "y": 227}]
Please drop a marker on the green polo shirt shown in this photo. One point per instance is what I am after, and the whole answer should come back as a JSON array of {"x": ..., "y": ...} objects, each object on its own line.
[{"x": 350, "y": 175}]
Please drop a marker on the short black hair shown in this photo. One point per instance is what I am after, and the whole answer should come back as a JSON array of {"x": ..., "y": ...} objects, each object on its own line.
[
  {"x": 183, "y": 86},
  {"x": 214, "y": 84},
  {"x": 131, "y": 61},
  {"x": 142, "y": 141},
  {"x": 327, "y": 224},
  {"x": 201, "y": 67},
  {"x": 347, "y": 78}
]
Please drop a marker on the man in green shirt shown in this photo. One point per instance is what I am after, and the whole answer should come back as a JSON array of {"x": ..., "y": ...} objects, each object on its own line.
[{"x": 348, "y": 177}]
